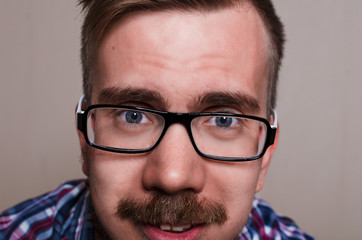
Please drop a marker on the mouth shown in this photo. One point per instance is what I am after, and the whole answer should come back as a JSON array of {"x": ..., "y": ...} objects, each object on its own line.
[{"x": 173, "y": 232}]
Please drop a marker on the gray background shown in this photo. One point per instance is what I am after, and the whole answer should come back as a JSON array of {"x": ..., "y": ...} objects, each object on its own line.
[{"x": 316, "y": 173}]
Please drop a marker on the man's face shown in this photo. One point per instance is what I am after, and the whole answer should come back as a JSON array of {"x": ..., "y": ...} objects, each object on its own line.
[{"x": 181, "y": 57}]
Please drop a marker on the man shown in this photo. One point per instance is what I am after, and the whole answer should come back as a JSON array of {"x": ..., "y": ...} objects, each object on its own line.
[{"x": 176, "y": 126}]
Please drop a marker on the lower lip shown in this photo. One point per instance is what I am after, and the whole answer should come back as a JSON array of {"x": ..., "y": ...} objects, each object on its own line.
[{"x": 156, "y": 233}]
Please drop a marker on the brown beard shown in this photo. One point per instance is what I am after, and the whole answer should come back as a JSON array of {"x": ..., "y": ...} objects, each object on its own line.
[{"x": 181, "y": 209}]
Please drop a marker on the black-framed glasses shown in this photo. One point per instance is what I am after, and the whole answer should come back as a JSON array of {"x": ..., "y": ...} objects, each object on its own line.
[{"x": 218, "y": 136}]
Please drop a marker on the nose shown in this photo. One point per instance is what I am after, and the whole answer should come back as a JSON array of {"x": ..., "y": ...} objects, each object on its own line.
[{"x": 174, "y": 165}]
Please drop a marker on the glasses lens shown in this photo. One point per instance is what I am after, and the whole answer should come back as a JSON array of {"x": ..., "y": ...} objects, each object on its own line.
[
  {"x": 229, "y": 137},
  {"x": 123, "y": 128}
]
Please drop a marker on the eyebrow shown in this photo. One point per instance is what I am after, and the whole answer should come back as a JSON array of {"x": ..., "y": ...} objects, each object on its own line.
[
  {"x": 118, "y": 95},
  {"x": 241, "y": 101}
]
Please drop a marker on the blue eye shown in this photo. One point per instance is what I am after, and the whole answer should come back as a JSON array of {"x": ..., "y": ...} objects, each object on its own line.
[
  {"x": 224, "y": 122},
  {"x": 133, "y": 117}
]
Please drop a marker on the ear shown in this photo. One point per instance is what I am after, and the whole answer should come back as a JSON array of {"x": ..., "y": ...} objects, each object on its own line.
[
  {"x": 265, "y": 161},
  {"x": 83, "y": 146}
]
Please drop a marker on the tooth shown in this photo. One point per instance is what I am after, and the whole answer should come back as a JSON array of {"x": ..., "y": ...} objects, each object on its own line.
[
  {"x": 165, "y": 227},
  {"x": 180, "y": 228},
  {"x": 177, "y": 229}
]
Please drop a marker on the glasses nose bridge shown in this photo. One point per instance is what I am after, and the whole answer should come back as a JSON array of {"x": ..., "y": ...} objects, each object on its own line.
[{"x": 181, "y": 118}]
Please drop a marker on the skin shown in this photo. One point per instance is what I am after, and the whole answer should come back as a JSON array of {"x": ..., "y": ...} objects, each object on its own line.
[{"x": 181, "y": 56}]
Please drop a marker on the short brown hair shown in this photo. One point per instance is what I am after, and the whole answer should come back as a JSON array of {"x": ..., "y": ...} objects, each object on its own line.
[{"x": 100, "y": 15}]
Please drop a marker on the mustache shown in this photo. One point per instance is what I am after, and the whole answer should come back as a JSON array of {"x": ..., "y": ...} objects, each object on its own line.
[{"x": 181, "y": 209}]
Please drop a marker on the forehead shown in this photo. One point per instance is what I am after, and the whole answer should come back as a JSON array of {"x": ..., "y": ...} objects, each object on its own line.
[{"x": 225, "y": 50}]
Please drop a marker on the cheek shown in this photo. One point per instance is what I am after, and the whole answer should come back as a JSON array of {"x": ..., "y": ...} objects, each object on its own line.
[
  {"x": 112, "y": 177},
  {"x": 235, "y": 185},
  {"x": 235, "y": 179}
]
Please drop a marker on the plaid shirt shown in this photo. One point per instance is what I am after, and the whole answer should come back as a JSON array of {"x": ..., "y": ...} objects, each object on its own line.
[{"x": 65, "y": 214}]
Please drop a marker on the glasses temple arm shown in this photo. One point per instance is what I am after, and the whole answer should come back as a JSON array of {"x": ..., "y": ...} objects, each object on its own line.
[
  {"x": 275, "y": 116},
  {"x": 80, "y": 103},
  {"x": 79, "y": 113}
]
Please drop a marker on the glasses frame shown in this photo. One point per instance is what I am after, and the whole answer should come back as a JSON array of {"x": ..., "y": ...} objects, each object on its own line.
[{"x": 170, "y": 118}]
